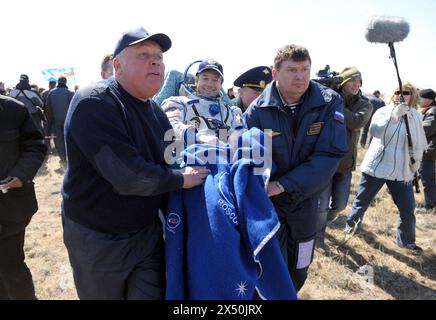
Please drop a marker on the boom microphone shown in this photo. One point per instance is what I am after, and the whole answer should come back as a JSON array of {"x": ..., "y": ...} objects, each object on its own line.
[
  {"x": 389, "y": 30},
  {"x": 382, "y": 29}
]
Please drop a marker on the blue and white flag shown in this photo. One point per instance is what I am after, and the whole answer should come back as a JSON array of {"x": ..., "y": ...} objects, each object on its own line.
[
  {"x": 52, "y": 74},
  {"x": 339, "y": 117}
]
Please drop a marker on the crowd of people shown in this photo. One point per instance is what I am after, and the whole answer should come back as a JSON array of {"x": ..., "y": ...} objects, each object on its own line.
[{"x": 112, "y": 138}]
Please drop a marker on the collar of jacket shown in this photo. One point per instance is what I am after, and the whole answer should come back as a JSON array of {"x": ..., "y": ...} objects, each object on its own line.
[
  {"x": 430, "y": 109},
  {"x": 315, "y": 96},
  {"x": 351, "y": 99}
]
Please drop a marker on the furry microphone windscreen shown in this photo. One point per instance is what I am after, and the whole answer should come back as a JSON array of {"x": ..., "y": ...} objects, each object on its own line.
[{"x": 387, "y": 29}]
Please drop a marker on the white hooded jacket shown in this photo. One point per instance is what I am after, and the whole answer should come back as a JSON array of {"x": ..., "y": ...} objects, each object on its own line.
[{"x": 388, "y": 156}]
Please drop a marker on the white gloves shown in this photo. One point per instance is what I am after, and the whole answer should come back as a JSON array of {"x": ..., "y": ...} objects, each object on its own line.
[{"x": 400, "y": 110}]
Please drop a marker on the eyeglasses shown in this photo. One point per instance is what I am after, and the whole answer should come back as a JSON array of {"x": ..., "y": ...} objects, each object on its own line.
[{"x": 405, "y": 93}]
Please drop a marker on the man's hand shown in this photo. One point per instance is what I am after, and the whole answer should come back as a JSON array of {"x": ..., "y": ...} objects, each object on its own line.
[
  {"x": 274, "y": 189},
  {"x": 194, "y": 176},
  {"x": 10, "y": 183}
]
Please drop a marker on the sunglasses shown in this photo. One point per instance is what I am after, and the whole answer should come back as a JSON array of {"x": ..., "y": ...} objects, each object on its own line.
[{"x": 405, "y": 93}]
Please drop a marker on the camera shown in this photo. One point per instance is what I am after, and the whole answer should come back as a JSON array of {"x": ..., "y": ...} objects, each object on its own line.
[{"x": 330, "y": 79}]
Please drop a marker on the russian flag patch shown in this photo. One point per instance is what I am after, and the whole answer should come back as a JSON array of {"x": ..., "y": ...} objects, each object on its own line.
[{"x": 339, "y": 117}]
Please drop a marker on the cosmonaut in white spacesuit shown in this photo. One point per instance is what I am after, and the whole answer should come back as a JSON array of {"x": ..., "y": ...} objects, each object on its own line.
[{"x": 201, "y": 112}]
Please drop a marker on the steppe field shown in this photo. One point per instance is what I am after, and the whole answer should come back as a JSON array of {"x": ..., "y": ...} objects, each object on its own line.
[{"x": 369, "y": 266}]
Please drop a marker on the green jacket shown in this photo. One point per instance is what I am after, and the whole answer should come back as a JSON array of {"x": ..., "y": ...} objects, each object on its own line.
[{"x": 357, "y": 112}]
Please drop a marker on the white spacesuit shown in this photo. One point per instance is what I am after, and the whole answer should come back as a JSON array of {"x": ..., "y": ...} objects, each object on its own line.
[{"x": 207, "y": 117}]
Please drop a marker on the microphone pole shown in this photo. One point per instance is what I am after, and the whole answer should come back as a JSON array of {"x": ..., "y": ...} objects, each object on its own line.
[
  {"x": 394, "y": 59},
  {"x": 406, "y": 121}
]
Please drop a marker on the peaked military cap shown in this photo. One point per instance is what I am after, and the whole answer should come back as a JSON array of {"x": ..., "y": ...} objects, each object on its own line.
[{"x": 256, "y": 78}]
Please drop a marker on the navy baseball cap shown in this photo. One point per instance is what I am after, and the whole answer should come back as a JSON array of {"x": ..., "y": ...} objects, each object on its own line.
[
  {"x": 24, "y": 77},
  {"x": 256, "y": 78},
  {"x": 138, "y": 35},
  {"x": 427, "y": 94},
  {"x": 211, "y": 65}
]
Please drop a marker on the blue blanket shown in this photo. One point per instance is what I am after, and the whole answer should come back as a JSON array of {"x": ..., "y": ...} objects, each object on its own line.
[{"x": 220, "y": 236}]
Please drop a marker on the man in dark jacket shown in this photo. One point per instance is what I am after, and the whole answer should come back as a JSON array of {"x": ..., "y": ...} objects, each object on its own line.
[
  {"x": 377, "y": 103},
  {"x": 22, "y": 152},
  {"x": 117, "y": 176},
  {"x": 31, "y": 99},
  {"x": 48, "y": 125},
  {"x": 357, "y": 111},
  {"x": 308, "y": 141},
  {"x": 58, "y": 101},
  {"x": 428, "y": 165}
]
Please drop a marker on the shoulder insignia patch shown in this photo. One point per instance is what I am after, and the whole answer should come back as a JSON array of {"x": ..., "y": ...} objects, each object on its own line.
[{"x": 315, "y": 128}]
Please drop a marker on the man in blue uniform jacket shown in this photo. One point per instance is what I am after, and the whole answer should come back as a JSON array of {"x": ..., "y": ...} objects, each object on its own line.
[{"x": 308, "y": 142}]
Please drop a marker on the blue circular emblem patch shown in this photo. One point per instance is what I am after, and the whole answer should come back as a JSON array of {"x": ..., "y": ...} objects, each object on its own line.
[{"x": 173, "y": 221}]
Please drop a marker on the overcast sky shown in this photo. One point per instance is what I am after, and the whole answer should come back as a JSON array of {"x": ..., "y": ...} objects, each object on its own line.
[{"x": 239, "y": 34}]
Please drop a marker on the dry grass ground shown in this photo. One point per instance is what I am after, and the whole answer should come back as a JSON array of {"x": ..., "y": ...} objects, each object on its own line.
[{"x": 369, "y": 266}]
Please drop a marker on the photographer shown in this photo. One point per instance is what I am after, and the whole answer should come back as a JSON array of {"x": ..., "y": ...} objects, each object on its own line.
[{"x": 357, "y": 111}]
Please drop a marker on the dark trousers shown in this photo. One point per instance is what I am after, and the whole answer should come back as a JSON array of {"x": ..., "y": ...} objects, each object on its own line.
[
  {"x": 297, "y": 252},
  {"x": 115, "y": 267},
  {"x": 332, "y": 200},
  {"x": 15, "y": 278},
  {"x": 59, "y": 141},
  {"x": 48, "y": 131},
  {"x": 428, "y": 175}
]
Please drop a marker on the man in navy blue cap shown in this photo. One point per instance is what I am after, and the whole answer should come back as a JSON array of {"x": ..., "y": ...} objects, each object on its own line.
[
  {"x": 31, "y": 99},
  {"x": 58, "y": 102},
  {"x": 201, "y": 115},
  {"x": 251, "y": 84},
  {"x": 117, "y": 176}
]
